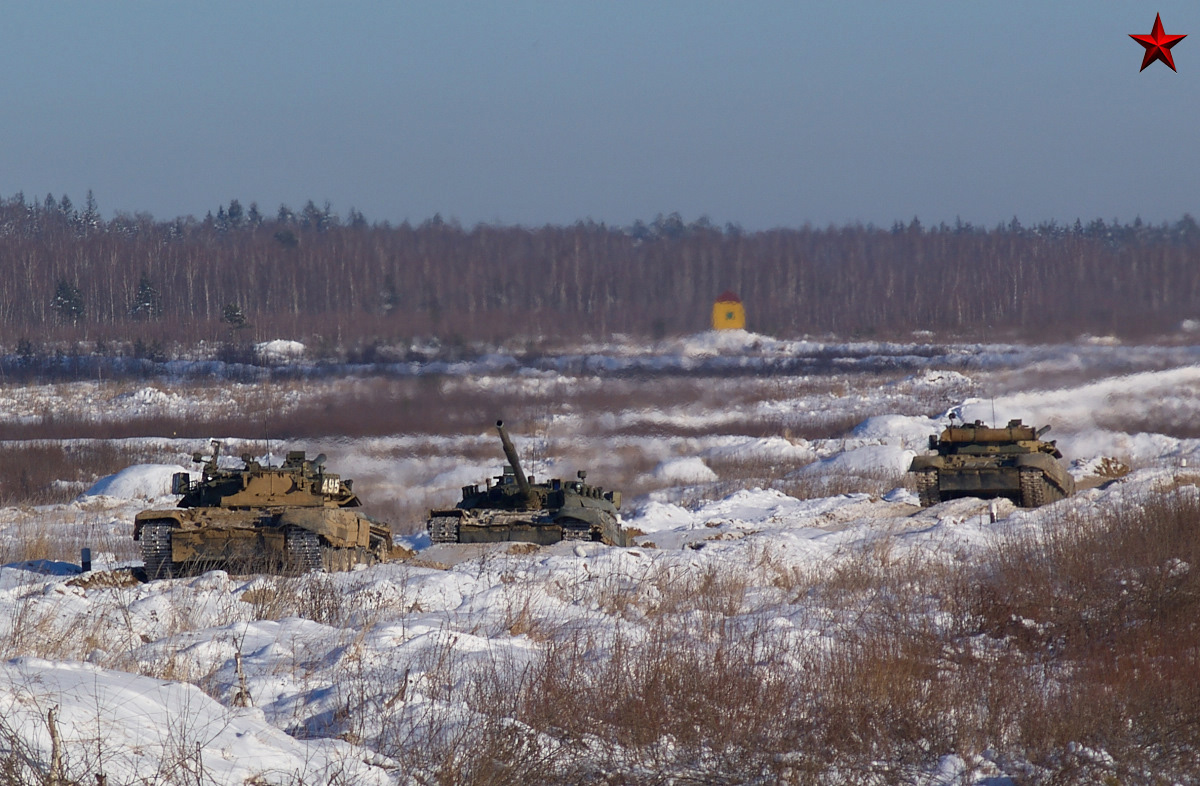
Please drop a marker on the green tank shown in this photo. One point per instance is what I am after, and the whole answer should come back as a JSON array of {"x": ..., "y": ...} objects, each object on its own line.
[
  {"x": 974, "y": 460},
  {"x": 289, "y": 519},
  {"x": 517, "y": 508}
]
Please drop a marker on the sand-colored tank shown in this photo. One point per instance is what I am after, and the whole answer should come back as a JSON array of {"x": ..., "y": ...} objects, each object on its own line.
[
  {"x": 974, "y": 460},
  {"x": 289, "y": 519},
  {"x": 516, "y": 508}
]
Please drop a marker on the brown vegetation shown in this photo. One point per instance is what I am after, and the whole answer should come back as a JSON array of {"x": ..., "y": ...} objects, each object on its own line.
[
  {"x": 45, "y": 472},
  {"x": 1067, "y": 656},
  {"x": 1071, "y": 653}
]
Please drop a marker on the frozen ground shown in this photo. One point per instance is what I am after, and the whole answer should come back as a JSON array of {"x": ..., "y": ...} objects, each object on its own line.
[{"x": 242, "y": 679}]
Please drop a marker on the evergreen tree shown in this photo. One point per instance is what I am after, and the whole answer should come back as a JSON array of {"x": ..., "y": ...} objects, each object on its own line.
[
  {"x": 235, "y": 214},
  {"x": 68, "y": 302},
  {"x": 147, "y": 303},
  {"x": 316, "y": 218},
  {"x": 233, "y": 316},
  {"x": 91, "y": 213},
  {"x": 389, "y": 297}
]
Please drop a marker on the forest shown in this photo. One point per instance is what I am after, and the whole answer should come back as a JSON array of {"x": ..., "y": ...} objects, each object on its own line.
[{"x": 343, "y": 284}]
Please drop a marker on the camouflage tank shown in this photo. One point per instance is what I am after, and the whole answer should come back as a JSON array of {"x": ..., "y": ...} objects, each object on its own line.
[
  {"x": 290, "y": 519},
  {"x": 974, "y": 460},
  {"x": 517, "y": 508}
]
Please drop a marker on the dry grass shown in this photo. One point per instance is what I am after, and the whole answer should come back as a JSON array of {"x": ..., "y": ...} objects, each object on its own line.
[
  {"x": 43, "y": 472},
  {"x": 1074, "y": 652},
  {"x": 60, "y": 534},
  {"x": 1071, "y": 655},
  {"x": 873, "y": 482},
  {"x": 1106, "y": 606},
  {"x": 650, "y": 405}
]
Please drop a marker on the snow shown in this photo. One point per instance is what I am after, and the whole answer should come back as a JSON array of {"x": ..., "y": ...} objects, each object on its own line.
[
  {"x": 147, "y": 727},
  {"x": 911, "y": 432},
  {"x": 146, "y": 399},
  {"x": 279, "y": 350},
  {"x": 719, "y": 342},
  {"x": 140, "y": 482},
  {"x": 684, "y": 471},
  {"x": 659, "y": 516},
  {"x": 46, "y": 567},
  {"x": 865, "y": 459},
  {"x": 145, "y": 676},
  {"x": 763, "y": 449}
]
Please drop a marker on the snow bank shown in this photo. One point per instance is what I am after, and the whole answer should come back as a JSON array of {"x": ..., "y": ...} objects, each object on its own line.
[
  {"x": 684, "y": 470},
  {"x": 141, "y": 481},
  {"x": 940, "y": 378},
  {"x": 867, "y": 459},
  {"x": 764, "y": 448},
  {"x": 145, "y": 398},
  {"x": 909, "y": 431},
  {"x": 658, "y": 516},
  {"x": 279, "y": 350},
  {"x": 1076, "y": 408},
  {"x": 716, "y": 342},
  {"x": 131, "y": 727},
  {"x": 46, "y": 567}
]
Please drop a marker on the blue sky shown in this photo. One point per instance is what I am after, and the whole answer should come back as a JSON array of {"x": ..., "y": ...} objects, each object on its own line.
[{"x": 761, "y": 113}]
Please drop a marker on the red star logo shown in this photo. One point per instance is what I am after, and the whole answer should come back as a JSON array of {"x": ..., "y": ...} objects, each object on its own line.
[{"x": 1158, "y": 45}]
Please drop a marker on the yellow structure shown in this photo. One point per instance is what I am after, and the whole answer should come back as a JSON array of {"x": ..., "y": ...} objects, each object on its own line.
[{"x": 728, "y": 312}]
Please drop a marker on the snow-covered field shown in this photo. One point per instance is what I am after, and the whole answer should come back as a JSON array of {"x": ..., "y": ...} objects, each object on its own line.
[{"x": 431, "y": 670}]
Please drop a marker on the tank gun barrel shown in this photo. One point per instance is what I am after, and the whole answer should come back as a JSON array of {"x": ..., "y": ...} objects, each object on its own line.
[
  {"x": 1042, "y": 431},
  {"x": 510, "y": 452}
]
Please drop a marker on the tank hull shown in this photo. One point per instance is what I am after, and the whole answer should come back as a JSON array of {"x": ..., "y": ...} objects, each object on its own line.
[
  {"x": 178, "y": 542},
  {"x": 1029, "y": 480},
  {"x": 542, "y": 527},
  {"x": 293, "y": 518}
]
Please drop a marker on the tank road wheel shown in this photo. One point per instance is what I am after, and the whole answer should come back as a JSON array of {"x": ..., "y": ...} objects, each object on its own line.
[
  {"x": 337, "y": 560},
  {"x": 927, "y": 488},
  {"x": 1035, "y": 491},
  {"x": 156, "y": 550},
  {"x": 443, "y": 529},
  {"x": 576, "y": 530},
  {"x": 378, "y": 551},
  {"x": 303, "y": 550}
]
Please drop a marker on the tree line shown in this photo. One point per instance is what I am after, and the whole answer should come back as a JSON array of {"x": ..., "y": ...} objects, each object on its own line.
[{"x": 240, "y": 275}]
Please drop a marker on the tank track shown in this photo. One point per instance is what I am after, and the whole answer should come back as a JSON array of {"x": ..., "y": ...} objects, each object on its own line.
[
  {"x": 1036, "y": 490},
  {"x": 927, "y": 488},
  {"x": 156, "y": 550},
  {"x": 443, "y": 529},
  {"x": 304, "y": 550}
]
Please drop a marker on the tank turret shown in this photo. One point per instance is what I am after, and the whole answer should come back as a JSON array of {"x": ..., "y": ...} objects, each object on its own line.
[{"x": 514, "y": 461}]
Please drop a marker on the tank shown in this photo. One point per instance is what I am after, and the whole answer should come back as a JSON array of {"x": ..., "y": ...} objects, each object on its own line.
[
  {"x": 974, "y": 460},
  {"x": 289, "y": 519},
  {"x": 514, "y": 507}
]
